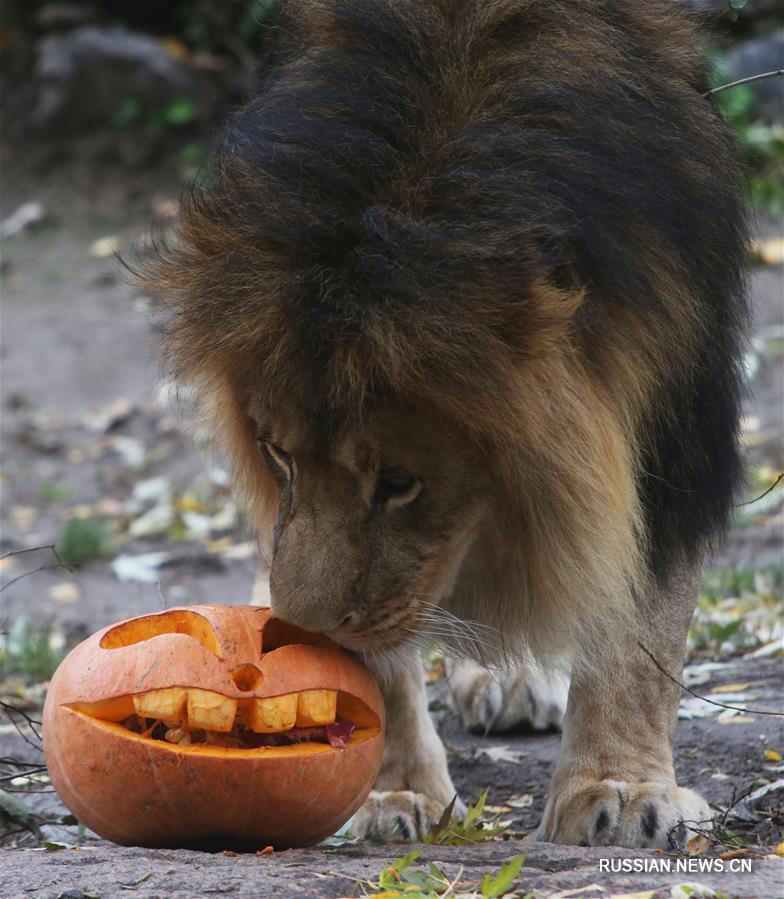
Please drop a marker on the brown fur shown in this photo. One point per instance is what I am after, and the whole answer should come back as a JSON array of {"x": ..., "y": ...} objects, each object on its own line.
[{"x": 535, "y": 393}]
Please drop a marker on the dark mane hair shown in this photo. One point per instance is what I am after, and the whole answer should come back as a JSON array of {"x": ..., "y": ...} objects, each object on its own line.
[{"x": 523, "y": 213}]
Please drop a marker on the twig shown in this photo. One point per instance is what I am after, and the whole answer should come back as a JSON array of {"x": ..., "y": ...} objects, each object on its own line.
[
  {"x": 21, "y": 552},
  {"x": 25, "y": 771},
  {"x": 724, "y": 87},
  {"x": 12, "y": 710},
  {"x": 721, "y": 705},
  {"x": 59, "y": 563},
  {"x": 25, "y": 574},
  {"x": 763, "y": 495}
]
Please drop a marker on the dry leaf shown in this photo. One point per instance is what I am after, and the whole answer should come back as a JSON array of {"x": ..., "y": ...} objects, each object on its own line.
[
  {"x": 503, "y": 754},
  {"x": 772, "y": 755},
  {"x": 731, "y": 688},
  {"x": 735, "y": 853},
  {"x": 105, "y": 246},
  {"x": 698, "y": 844},
  {"x": 779, "y": 850},
  {"x": 525, "y": 800},
  {"x": 64, "y": 592},
  {"x": 645, "y": 894}
]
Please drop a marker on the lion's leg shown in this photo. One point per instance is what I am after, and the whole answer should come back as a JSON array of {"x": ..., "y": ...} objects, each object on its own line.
[
  {"x": 413, "y": 786},
  {"x": 615, "y": 781},
  {"x": 497, "y": 701}
]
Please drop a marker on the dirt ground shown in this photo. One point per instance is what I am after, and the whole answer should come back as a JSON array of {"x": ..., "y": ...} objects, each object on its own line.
[{"x": 88, "y": 432}]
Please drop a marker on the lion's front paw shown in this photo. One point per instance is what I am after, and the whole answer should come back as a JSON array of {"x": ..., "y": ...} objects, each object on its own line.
[
  {"x": 615, "y": 813},
  {"x": 396, "y": 815},
  {"x": 492, "y": 702}
]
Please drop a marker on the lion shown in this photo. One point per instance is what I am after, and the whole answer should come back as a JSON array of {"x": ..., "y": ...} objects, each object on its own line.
[{"x": 462, "y": 290}]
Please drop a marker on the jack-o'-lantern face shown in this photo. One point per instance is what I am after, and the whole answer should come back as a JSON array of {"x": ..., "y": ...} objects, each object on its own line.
[{"x": 183, "y": 690}]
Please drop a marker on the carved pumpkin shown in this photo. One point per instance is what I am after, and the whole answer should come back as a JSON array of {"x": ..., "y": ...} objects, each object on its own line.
[{"x": 212, "y": 726}]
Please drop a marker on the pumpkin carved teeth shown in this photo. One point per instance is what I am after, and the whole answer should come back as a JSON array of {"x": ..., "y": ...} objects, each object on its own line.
[
  {"x": 210, "y": 711},
  {"x": 316, "y": 707},
  {"x": 274, "y": 714},
  {"x": 166, "y": 704}
]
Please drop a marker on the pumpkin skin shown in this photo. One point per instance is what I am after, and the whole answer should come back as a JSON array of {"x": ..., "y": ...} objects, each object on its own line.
[{"x": 135, "y": 790}]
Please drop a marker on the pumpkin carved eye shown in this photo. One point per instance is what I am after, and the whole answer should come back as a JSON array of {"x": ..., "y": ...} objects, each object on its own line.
[{"x": 177, "y": 621}]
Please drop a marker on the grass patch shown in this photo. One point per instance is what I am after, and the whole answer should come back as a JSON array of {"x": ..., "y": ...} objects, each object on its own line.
[
  {"x": 52, "y": 492},
  {"x": 83, "y": 540},
  {"x": 31, "y": 652},
  {"x": 401, "y": 878}
]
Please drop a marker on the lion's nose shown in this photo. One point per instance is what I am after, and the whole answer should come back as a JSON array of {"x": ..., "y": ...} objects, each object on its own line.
[{"x": 318, "y": 618}]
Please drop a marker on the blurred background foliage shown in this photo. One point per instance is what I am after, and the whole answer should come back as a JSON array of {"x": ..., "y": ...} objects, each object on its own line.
[{"x": 170, "y": 71}]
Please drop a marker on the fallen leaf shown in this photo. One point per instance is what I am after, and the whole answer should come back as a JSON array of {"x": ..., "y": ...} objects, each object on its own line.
[
  {"x": 142, "y": 568},
  {"x": 731, "y": 688},
  {"x": 763, "y": 791},
  {"x": 735, "y": 853},
  {"x": 698, "y": 844},
  {"x": 105, "y": 246},
  {"x": 498, "y": 809},
  {"x": 779, "y": 850},
  {"x": 23, "y": 517},
  {"x": 646, "y": 894},
  {"x": 772, "y": 755},
  {"x": 525, "y": 800},
  {"x": 503, "y": 754},
  {"x": 23, "y": 217},
  {"x": 129, "y": 449},
  {"x": 154, "y": 523},
  {"x": 719, "y": 775},
  {"x": 65, "y": 592},
  {"x": 736, "y": 719}
]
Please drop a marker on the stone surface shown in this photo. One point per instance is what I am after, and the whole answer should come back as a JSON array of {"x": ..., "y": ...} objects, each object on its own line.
[{"x": 112, "y": 871}]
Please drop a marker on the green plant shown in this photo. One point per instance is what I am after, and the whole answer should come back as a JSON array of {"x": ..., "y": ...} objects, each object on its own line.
[
  {"x": 83, "y": 539},
  {"x": 401, "y": 878},
  {"x": 156, "y": 119},
  {"x": 33, "y": 652},
  {"x": 761, "y": 146},
  {"x": 451, "y": 830},
  {"x": 52, "y": 492}
]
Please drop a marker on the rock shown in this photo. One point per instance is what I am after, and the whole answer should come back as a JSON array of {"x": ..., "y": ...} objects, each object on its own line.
[
  {"x": 764, "y": 54},
  {"x": 85, "y": 75}
]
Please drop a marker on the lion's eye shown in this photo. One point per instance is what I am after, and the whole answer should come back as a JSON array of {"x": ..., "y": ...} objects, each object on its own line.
[
  {"x": 396, "y": 486},
  {"x": 278, "y": 460}
]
